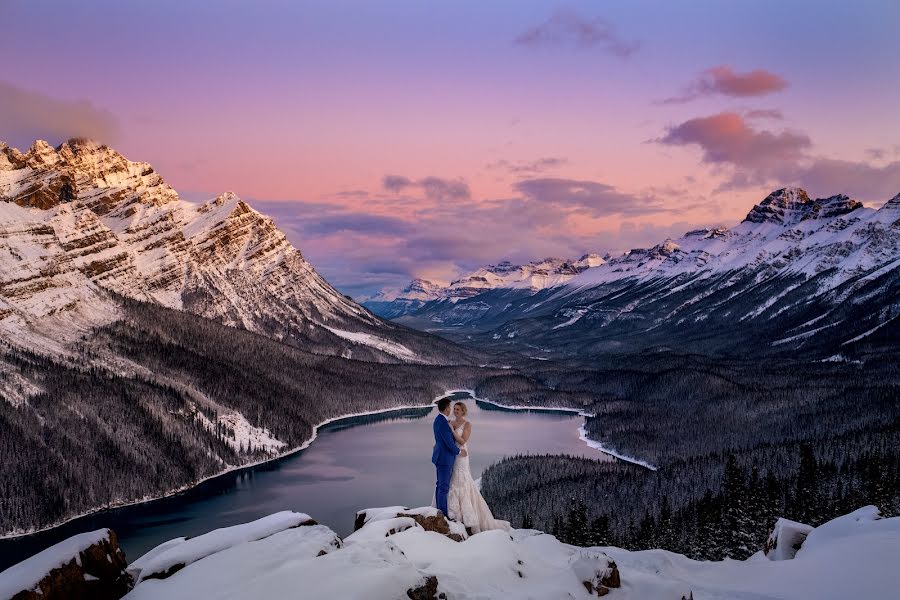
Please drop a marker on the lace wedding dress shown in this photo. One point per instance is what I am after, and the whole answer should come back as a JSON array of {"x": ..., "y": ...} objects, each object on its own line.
[{"x": 464, "y": 501}]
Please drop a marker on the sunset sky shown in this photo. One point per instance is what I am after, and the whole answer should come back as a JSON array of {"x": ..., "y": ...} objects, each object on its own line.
[{"x": 394, "y": 140}]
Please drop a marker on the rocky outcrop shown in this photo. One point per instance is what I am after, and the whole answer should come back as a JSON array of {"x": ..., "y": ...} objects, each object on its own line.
[
  {"x": 90, "y": 566},
  {"x": 596, "y": 571},
  {"x": 398, "y": 518},
  {"x": 437, "y": 523},
  {"x": 426, "y": 591},
  {"x": 786, "y": 539},
  {"x": 788, "y": 206}
]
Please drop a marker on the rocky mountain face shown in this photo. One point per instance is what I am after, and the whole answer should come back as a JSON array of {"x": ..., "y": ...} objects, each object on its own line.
[
  {"x": 531, "y": 277},
  {"x": 796, "y": 273},
  {"x": 81, "y": 224}
]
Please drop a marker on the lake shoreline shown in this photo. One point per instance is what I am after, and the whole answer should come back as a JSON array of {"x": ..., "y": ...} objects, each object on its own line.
[
  {"x": 229, "y": 470},
  {"x": 582, "y": 431},
  {"x": 12, "y": 536}
]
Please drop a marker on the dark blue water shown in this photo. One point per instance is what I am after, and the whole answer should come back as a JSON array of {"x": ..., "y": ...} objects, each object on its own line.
[{"x": 356, "y": 463}]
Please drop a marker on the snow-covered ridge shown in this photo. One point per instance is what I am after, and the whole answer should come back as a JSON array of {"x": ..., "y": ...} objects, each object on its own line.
[
  {"x": 398, "y": 552},
  {"x": 416, "y": 290},
  {"x": 788, "y": 232},
  {"x": 81, "y": 220},
  {"x": 532, "y": 277}
]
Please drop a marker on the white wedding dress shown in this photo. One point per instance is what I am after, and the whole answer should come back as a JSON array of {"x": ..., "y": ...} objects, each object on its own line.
[{"x": 464, "y": 502}]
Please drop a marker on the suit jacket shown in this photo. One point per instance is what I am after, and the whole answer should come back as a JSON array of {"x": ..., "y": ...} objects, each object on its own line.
[{"x": 445, "y": 448}]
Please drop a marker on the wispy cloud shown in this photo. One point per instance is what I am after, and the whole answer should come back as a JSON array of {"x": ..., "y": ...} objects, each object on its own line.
[
  {"x": 725, "y": 81},
  {"x": 386, "y": 239},
  {"x": 434, "y": 188},
  {"x": 27, "y": 115},
  {"x": 529, "y": 167},
  {"x": 567, "y": 28},
  {"x": 597, "y": 199}
]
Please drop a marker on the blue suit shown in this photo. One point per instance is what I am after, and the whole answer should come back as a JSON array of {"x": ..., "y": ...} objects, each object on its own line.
[{"x": 443, "y": 457}]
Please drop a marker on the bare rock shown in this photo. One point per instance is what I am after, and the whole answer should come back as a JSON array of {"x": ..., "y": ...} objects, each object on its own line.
[
  {"x": 596, "y": 570},
  {"x": 96, "y": 572},
  {"x": 426, "y": 591},
  {"x": 437, "y": 523},
  {"x": 786, "y": 539}
]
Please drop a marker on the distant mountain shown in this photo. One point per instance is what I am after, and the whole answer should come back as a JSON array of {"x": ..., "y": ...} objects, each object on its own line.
[
  {"x": 533, "y": 276},
  {"x": 390, "y": 304},
  {"x": 81, "y": 224},
  {"x": 820, "y": 274}
]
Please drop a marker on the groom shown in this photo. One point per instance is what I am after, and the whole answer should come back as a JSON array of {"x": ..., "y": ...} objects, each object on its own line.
[{"x": 444, "y": 454}]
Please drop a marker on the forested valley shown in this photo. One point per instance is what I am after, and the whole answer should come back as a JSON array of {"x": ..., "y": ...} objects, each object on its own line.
[
  {"x": 121, "y": 421},
  {"x": 735, "y": 446}
]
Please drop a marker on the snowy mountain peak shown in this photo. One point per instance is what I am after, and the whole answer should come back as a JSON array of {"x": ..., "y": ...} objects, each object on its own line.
[
  {"x": 421, "y": 289},
  {"x": 789, "y": 206},
  {"x": 589, "y": 260},
  {"x": 707, "y": 233},
  {"x": 416, "y": 290},
  {"x": 779, "y": 206},
  {"x": 81, "y": 220},
  {"x": 667, "y": 248}
]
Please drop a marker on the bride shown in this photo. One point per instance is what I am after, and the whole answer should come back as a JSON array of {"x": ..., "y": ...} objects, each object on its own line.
[{"x": 464, "y": 501}]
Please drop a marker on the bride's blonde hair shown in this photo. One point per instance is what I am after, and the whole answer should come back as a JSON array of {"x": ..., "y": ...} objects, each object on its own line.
[{"x": 465, "y": 409}]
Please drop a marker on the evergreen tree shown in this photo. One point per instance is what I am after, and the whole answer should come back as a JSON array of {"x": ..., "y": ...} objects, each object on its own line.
[{"x": 806, "y": 498}]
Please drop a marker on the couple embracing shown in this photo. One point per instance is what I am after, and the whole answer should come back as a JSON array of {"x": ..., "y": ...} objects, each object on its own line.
[{"x": 456, "y": 494}]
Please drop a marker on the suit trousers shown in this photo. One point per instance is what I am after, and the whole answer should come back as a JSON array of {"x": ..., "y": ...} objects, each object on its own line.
[{"x": 442, "y": 487}]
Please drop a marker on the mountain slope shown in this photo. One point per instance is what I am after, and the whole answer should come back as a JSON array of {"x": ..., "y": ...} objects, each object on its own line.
[
  {"x": 80, "y": 224},
  {"x": 161, "y": 399},
  {"x": 818, "y": 274}
]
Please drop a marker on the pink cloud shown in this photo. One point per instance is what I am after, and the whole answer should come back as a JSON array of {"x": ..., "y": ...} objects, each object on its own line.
[
  {"x": 759, "y": 157},
  {"x": 728, "y": 138},
  {"x": 723, "y": 80}
]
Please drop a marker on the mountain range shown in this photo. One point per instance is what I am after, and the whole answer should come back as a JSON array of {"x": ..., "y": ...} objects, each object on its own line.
[
  {"x": 817, "y": 274},
  {"x": 533, "y": 276},
  {"x": 148, "y": 343}
]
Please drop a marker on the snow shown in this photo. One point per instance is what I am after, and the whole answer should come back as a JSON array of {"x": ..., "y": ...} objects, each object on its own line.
[
  {"x": 387, "y": 518},
  {"x": 850, "y": 557},
  {"x": 533, "y": 276},
  {"x": 135, "y": 568},
  {"x": 866, "y": 334},
  {"x": 862, "y": 522},
  {"x": 582, "y": 435},
  {"x": 246, "y": 435},
  {"x": 785, "y": 539},
  {"x": 804, "y": 245},
  {"x": 28, "y": 573},
  {"x": 198, "y": 548},
  {"x": 393, "y": 348},
  {"x": 573, "y": 318}
]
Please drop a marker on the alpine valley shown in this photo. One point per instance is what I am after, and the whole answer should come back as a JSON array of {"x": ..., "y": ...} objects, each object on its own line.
[
  {"x": 739, "y": 376},
  {"x": 821, "y": 275},
  {"x": 141, "y": 334}
]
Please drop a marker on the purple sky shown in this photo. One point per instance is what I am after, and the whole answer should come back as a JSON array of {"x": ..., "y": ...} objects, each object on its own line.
[{"x": 418, "y": 139}]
